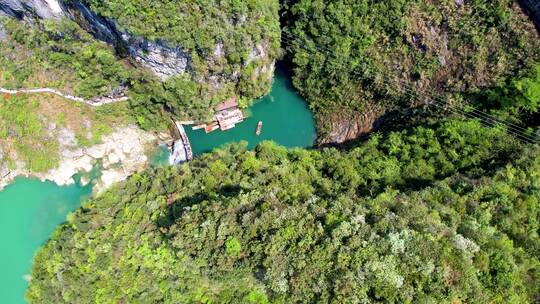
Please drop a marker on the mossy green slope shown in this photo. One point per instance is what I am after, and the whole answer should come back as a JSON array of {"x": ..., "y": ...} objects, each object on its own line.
[{"x": 59, "y": 54}]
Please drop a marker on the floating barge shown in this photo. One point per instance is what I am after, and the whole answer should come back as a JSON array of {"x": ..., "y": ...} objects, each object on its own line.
[
  {"x": 227, "y": 116},
  {"x": 228, "y": 119}
]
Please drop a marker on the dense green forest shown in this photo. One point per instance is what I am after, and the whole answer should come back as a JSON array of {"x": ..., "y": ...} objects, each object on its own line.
[
  {"x": 430, "y": 215},
  {"x": 445, "y": 210},
  {"x": 354, "y": 58},
  {"x": 198, "y": 25}
]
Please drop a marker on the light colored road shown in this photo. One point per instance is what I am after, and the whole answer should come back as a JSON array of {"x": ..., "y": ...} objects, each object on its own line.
[{"x": 98, "y": 101}]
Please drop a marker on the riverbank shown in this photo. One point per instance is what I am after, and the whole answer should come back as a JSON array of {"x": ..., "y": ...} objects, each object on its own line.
[
  {"x": 287, "y": 120},
  {"x": 119, "y": 155},
  {"x": 52, "y": 138},
  {"x": 83, "y": 139},
  {"x": 33, "y": 205}
]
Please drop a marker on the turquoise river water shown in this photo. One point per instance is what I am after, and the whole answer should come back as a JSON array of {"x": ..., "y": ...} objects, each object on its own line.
[
  {"x": 286, "y": 120},
  {"x": 30, "y": 210}
]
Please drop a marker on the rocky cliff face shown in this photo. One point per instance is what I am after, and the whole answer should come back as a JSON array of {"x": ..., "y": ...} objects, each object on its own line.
[
  {"x": 347, "y": 125},
  {"x": 158, "y": 56},
  {"x": 165, "y": 61},
  {"x": 31, "y": 8}
]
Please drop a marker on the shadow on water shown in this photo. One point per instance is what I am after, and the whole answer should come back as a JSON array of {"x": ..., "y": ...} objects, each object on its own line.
[{"x": 284, "y": 70}]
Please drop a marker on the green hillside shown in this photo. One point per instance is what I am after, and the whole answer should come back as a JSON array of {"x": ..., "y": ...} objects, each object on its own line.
[
  {"x": 431, "y": 215},
  {"x": 230, "y": 46},
  {"x": 366, "y": 58}
]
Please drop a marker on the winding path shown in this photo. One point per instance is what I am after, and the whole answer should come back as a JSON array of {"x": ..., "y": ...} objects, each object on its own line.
[{"x": 98, "y": 101}]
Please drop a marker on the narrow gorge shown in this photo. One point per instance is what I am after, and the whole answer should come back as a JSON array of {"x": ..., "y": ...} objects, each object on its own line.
[{"x": 328, "y": 151}]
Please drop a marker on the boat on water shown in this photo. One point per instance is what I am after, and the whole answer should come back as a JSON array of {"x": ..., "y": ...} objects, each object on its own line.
[
  {"x": 211, "y": 127},
  {"x": 259, "y": 128}
]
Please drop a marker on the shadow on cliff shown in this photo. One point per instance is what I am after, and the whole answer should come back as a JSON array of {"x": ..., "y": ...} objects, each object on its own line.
[
  {"x": 532, "y": 9},
  {"x": 391, "y": 121}
]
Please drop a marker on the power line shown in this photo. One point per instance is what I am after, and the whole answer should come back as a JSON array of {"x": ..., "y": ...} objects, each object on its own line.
[
  {"x": 493, "y": 118},
  {"x": 445, "y": 106},
  {"x": 437, "y": 101},
  {"x": 478, "y": 114}
]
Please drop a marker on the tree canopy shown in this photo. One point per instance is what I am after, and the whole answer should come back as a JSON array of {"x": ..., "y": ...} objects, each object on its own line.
[
  {"x": 433, "y": 215},
  {"x": 442, "y": 212}
]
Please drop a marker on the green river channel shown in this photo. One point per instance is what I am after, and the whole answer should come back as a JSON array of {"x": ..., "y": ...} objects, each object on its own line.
[{"x": 30, "y": 210}]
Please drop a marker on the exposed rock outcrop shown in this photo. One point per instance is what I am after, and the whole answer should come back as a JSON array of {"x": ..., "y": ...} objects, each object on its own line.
[
  {"x": 159, "y": 56},
  {"x": 4, "y": 168},
  {"x": 31, "y": 8},
  {"x": 121, "y": 154},
  {"x": 348, "y": 126},
  {"x": 98, "y": 26},
  {"x": 165, "y": 61}
]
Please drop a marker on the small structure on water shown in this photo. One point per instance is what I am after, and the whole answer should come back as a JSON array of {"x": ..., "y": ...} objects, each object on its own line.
[
  {"x": 259, "y": 128},
  {"x": 181, "y": 149},
  {"x": 227, "y": 116}
]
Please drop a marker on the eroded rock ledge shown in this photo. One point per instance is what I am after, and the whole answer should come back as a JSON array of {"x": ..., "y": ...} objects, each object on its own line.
[{"x": 119, "y": 155}]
